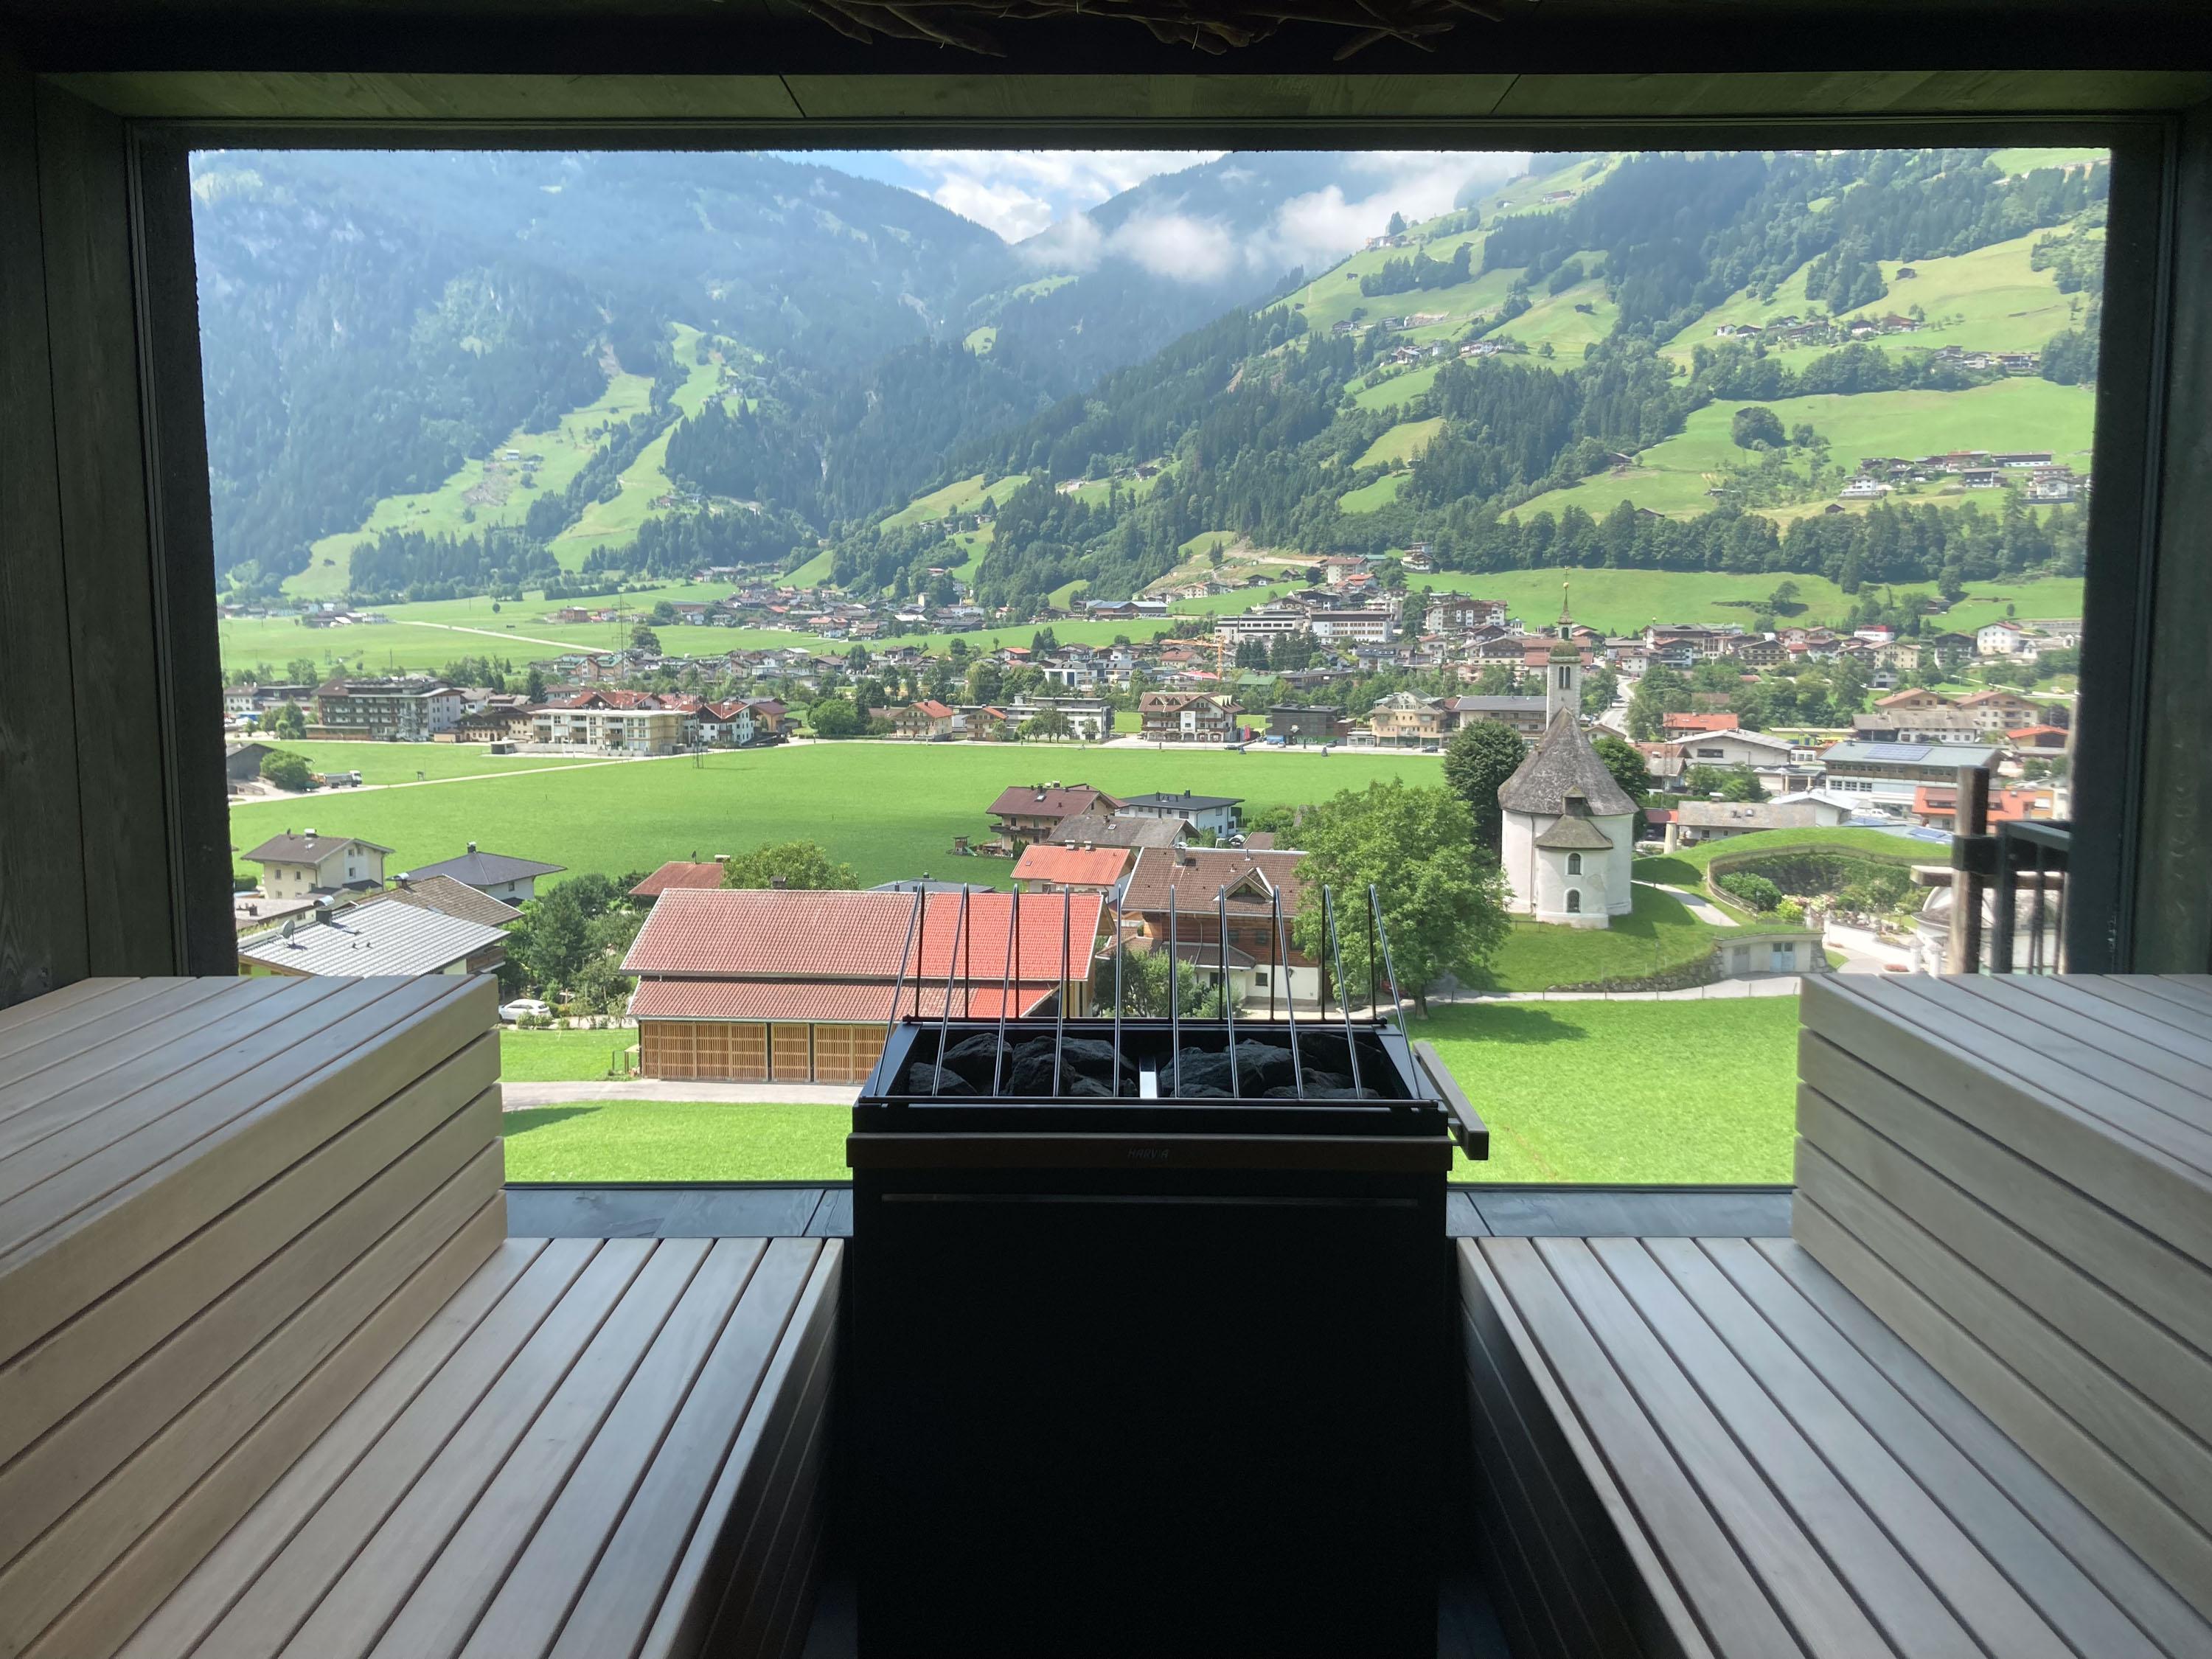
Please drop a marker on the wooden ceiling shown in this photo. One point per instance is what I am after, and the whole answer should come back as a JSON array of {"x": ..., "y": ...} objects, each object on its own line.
[{"x": 374, "y": 65}]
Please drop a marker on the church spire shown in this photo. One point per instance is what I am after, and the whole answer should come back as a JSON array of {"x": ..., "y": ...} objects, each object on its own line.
[{"x": 1566, "y": 618}]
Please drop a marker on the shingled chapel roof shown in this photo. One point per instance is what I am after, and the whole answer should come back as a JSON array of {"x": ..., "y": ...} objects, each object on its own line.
[{"x": 1562, "y": 762}]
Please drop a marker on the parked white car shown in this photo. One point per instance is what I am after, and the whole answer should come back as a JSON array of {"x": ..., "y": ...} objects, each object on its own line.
[{"x": 526, "y": 1008}]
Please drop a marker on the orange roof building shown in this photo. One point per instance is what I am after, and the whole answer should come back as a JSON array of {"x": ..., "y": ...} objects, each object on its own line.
[
  {"x": 1044, "y": 868},
  {"x": 754, "y": 985}
]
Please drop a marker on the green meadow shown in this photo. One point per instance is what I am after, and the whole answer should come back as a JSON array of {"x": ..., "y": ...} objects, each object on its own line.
[
  {"x": 400, "y": 762},
  {"x": 890, "y": 809},
  {"x": 1695, "y": 1091},
  {"x": 1401, "y": 443},
  {"x": 962, "y": 495},
  {"x": 1570, "y": 1092}
]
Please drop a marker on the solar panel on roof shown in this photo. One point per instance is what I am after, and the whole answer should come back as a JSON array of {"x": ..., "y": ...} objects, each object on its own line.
[{"x": 1898, "y": 751}]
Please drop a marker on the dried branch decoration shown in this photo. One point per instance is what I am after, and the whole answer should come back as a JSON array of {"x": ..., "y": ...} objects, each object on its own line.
[{"x": 1208, "y": 26}]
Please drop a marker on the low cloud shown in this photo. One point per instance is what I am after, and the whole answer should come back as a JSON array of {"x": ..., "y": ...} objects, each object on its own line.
[{"x": 1021, "y": 192}]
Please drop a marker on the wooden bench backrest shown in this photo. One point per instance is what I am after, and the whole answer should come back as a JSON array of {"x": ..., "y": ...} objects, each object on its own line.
[
  {"x": 225, "y": 1205},
  {"x": 2015, "y": 1174}
]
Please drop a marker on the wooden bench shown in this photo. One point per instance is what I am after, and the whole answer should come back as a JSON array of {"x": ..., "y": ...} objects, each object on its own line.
[
  {"x": 1963, "y": 1411},
  {"x": 274, "y": 1380}
]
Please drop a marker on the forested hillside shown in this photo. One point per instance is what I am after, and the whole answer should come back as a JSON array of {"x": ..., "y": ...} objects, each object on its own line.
[
  {"x": 1666, "y": 360},
  {"x": 1560, "y": 347}
]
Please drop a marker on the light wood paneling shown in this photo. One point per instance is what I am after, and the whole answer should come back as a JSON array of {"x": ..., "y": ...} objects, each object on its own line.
[{"x": 791, "y": 1053}]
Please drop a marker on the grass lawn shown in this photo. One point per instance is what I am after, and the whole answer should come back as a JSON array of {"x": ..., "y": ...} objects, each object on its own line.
[
  {"x": 1402, "y": 442},
  {"x": 562, "y": 1055},
  {"x": 398, "y": 763},
  {"x": 1553, "y": 320},
  {"x": 1659, "y": 934},
  {"x": 1572, "y": 1092},
  {"x": 657, "y": 1140},
  {"x": 1398, "y": 388},
  {"x": 1626, "y": 1091},
  {"x": 2016, "y": 413},
  {"x": 962, "y": 495},
  {"x": 890, "y": 810},
  {"x": 1372, "y": 497},
  {"x": 1696, "y": 859}
]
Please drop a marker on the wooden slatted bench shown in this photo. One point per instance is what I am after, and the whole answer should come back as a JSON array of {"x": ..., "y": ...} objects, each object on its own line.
[
  {"x": 274, "y": 1380},
  {"x": 1963, "y": 1411}
]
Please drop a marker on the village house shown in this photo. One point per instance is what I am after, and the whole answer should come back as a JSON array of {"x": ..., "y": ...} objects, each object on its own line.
[
  {"x": 1214, "y": 814},
  {"x": 680, "y": 873},
  {"x": 1265, "y": 971},
  {"x": 1462, "y": 613},
  {"x": 1185, "y": 717},
  {"x": 446, "y": 896},
  {"x": 1028, "y": 813},
  {"x": 1089, "y": 718},
  {"x": 1404, "y": 720},
  {"x": 1524, "y": 715},
  {"x": 760, "y": 985},
  {"x": 928, "y": 720},
  {"x": 511, "y": 880},
  {"x": 1370, "y": 625},
  {"x": 1675, "y": 727},
  {"x": 1051, "y": 867},
  {"x": 374, "y": 940},
  {"x": 1265, "y": 624},
  {"x": 1101, "y": 829},
  {"x": 1937, "y": 806},
  {"x": 309, "y": 864},
  {"x": 1995, "y": 712},
  {"x": 1689, "y": 823}
]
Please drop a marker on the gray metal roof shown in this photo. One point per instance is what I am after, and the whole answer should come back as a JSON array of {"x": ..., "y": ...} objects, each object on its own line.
[
  {"x": 1911, "y": 754},
  {"x": 1186, "y": 800},
  {"x": 486, "y": 869},
  {"x": 1562, "y": 762},
  {"x": 370, "y": 939}
]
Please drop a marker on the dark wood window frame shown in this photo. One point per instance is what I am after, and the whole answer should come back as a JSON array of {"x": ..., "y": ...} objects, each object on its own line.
[{"x": 149, "y": 865}]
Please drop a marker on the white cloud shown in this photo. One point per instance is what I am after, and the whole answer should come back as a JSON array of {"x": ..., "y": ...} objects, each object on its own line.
[
  {"x": 1020, "y": 193},
  {"x": 1323, "y": 225}
]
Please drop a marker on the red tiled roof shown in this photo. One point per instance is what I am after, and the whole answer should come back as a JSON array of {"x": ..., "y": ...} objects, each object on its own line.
[
  {"x": 934, "y": 710},
  {"x": 770, "y": 933},
  {"x": 1700, "y": 722},
  {"x": 677, "y": 872},
  {"x": 2037, "y": 732},
  {"x": 1072, "y": 867},
  {"x": 835, "y": 1002},
  {"x": 2006, "y": 805}
]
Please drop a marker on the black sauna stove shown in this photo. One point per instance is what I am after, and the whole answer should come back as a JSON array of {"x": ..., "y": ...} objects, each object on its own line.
[{"x": 1150, "y": 1336}]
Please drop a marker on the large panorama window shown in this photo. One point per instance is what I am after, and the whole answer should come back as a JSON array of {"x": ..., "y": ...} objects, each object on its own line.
[{"x": 641, "y": 575}]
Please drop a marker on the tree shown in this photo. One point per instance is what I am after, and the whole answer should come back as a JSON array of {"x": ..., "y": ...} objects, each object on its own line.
[
  {"x": 1754, "y": 426},
  {"x": 534, "y": 687},
  {"x": 1600, "y": 686},
  {"x": 1756, "y": 890},
  {"x": 1145, "y": 979},
  {"x": 1397, "y": 226},
  {"x": 643, "y": 638},
  {"x": 285, "y": 720},
  {"x": 286, "y": 770},
  {"x": 549, "y": 941},
  {"x": 1728, "y": 782},
  {"x": 986, "y": 681},
  {"x": 1480, "y": 757},
  {"x": 1048, "y": 723},
  {"x": 1625, "y": 762},
  {"x": 801, "y": 864},
  {"x": 1660, "y": 693},
  {"x": 1443, "y": 907},
  {"x": 302, "y": 670},
  {"x": 836, "y": 717}
]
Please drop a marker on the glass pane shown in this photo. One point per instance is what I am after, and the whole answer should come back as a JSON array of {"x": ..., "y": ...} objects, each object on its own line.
[{"x": 616, "y": 538}]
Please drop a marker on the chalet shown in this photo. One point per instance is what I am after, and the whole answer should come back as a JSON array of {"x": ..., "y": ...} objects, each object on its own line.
[
  {"x": 1997, "y": 711},
  {"x": 1404, "y": 720},
  {"x": 1937, "y": 806},
  {"x": 1192, "y": 883},
  {"x": 770, "y": 985},
  {"x": 1691, "y": 822},
  {"x": 1185, "y": 717},
  {"x": 1461, "y": 613},
  {"x": 446, "y": 896},
  {"x": 928, "y": 720},
  {"x": 1028, "y": 813},
  {"x": 1119, "y": 829},
  {"x": 1696, "y": 726},
  {"x": 409, "y": 708},
  {"x": 610, "y": 721}
]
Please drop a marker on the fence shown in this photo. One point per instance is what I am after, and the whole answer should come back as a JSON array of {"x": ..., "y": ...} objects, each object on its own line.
[{"x": 2008, "y": 905}]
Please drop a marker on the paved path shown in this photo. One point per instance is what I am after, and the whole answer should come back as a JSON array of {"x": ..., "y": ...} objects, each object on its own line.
[
  {"x": 519, "y": 1096},
  {"x": 1698, "y": 904}
]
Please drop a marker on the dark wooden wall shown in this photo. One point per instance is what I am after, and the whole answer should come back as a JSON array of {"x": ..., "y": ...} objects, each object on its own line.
[{"x": 113, "y": 857}]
